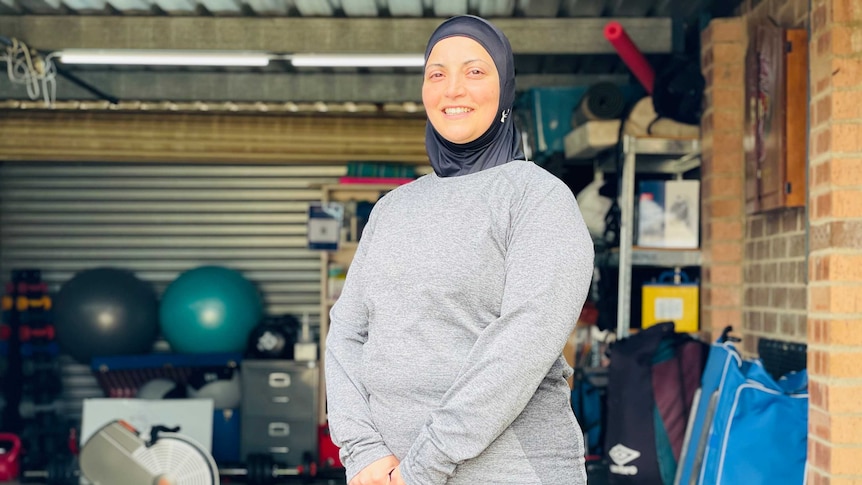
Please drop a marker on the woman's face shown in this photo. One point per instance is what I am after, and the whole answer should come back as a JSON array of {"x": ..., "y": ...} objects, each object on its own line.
[{"x": 461, "y": 91}]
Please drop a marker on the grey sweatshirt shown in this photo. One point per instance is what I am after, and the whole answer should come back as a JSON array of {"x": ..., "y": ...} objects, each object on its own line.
[{"x": 445, "y": 344}]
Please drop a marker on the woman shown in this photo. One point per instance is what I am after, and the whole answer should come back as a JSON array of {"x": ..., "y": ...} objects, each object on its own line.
[{"x": 443, "y": 361}]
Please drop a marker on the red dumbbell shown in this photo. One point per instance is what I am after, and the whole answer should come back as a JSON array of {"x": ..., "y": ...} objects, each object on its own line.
[
  {"x": 5, "y": 332},
  {"x": 25, "y": 332}
]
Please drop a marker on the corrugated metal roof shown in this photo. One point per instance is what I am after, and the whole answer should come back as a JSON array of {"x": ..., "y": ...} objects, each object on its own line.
[{"x": 166, "y": 24}]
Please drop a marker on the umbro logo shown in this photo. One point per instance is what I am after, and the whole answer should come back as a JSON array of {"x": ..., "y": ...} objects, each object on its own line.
[{"x": 622, "y": 456}]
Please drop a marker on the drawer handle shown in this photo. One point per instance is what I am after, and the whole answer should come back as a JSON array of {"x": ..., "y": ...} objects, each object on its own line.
[
  {"x": 281, "y": 399},
  {"x": 279, "y": 449},
  {"x": 279, "y": 429},
  {"x": 279, "y": 379}
]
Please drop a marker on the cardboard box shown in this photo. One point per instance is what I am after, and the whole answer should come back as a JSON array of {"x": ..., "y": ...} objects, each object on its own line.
[{"x": 669, "y": 214}]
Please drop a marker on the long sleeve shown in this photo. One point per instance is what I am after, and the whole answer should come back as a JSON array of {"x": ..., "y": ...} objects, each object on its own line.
[
  {"x": 351, "y": 426},
  {"x": 548, "y": 269}
]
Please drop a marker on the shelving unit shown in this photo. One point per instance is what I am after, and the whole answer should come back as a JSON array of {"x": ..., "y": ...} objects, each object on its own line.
[
  {"x": 342, "y": 193},
  {"x": 647, "y": 155}
]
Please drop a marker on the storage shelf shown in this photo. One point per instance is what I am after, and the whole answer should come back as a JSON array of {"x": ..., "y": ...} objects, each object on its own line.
[
  {"x": 663, "y": 258},
  {"x": 647, "y": 154}
]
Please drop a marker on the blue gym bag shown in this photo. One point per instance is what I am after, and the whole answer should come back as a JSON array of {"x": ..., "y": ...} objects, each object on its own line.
[{"x": 747, "y": 427}]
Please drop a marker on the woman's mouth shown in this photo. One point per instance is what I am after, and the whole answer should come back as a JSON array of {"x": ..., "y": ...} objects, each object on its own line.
[{"x": 457, "y": 111}]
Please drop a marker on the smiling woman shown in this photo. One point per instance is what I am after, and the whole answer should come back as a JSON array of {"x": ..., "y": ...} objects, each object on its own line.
[
  {"x": 461, "y": 89},
  {"x": 443, "y": 359}
]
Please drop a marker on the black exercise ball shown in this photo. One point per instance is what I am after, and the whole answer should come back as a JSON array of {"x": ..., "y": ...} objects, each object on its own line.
[{"x": 104, "y": 312}]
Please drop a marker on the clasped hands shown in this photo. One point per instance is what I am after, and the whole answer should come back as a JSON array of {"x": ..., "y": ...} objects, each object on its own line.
[{"x": 384, "y": 471}]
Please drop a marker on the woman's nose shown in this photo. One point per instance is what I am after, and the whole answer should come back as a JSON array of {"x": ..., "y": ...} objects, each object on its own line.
[{"x": 454, "y": 86}]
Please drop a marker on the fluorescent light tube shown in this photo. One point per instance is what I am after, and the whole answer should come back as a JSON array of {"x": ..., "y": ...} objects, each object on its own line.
[
  {"x": 163, "y": 58},
  {"x": 358, "y": 60}
]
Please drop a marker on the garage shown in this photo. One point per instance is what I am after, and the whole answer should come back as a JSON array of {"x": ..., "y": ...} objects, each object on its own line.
[{"x": 184, "y": 186}]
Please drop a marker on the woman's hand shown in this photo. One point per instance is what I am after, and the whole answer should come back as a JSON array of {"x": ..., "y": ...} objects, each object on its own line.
[
  {"x": 376, "y": 473},
  {"x": 395, "y": 477}
]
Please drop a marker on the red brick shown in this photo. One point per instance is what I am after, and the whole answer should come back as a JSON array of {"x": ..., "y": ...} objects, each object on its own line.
[
  {"x": 726, "y": 208},
  {"x": 727, "y": 53},
  {"x": 839, "y": 298},
  {"x": 846, "y": 11},
  {"x": 843, "y": 398},
  {"x": 846, "y": 105},
  {"x": 728, "y": 121},
  {"x": 840, "y": 332},
  {"x": 822, "y": 207},
  {"x": 724, "y": 186},
  {"x": 727, "y": 161},
  {"x": 730, "y": 29},
  {"x": 726, "y": 274},
  {"x": 845, "y": 171},
  {"x": 821, "y": 174},
  {"x": 843, "y": 267},
  {"x": 822, "y": 142},
  {"x": 724, "y": 296},
  {"x": 845, "y": 40},
  {"x": 845, "y": 429},
  {"x": 846, "y": 138},
  {"x": 819, "y": 454},
  {"x": 823, "y": 109},
  {"x": 729, "y": 74},
  {"x": 846, "y": 460},
  {"x": 820, "y": 18},
  {"x": 845, "y": 364},
  {"x": 727, "y": 252},
  {"x": 837, "y": 480},
  {"x": 847, "y": 204},
  {"x": 846, "y": 72},
  {"x": 818, "y": 391},
  {"x": 726, "y": 230},
  {"x": 819, "y": 424},
  {"x": 728, "y": 97},
  {"x": 823, "y": 43},
  {"x": 818, "y": 267}
]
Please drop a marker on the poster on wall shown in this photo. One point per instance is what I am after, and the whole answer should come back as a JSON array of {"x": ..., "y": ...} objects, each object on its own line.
[{"x": 765, "y": 117}]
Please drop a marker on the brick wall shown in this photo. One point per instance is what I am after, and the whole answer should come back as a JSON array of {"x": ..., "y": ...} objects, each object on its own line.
[
  {"x": 775, "y": 267},
  {"x": 822, "y": 295},
  {"x": 775, "y": 273},
  {"x": 722, "y": 177},
  {"x": 835, "y": 243}
]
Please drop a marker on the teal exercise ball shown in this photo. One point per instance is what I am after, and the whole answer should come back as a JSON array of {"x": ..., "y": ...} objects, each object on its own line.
[{"x": 209, "y": 309}]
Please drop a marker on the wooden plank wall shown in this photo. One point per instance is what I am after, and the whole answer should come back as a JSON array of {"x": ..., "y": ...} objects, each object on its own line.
[{"x": 208, "y": 137}]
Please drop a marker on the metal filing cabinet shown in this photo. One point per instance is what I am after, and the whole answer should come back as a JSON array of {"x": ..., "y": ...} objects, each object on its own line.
[{"x": 279, "y": 409}]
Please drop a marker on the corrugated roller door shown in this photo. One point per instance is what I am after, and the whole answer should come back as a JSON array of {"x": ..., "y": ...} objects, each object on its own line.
[{"x": 159, "y": 220}]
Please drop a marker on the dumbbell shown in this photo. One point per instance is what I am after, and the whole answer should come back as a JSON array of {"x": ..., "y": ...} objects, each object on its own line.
[
  {"x": 5, "y": 331},
  {"x": 62, "y": 470},
  {"x": 26, "y": 303},
  {"x": 32, "y": 285},
  {"x": 30, "y": 349},
  {"x": 6, "y": 303},
  {"x": 45, "y": 384},
  {"x": 26, "y": 332},
  {"x": 261, "y": 469},
  {"x": 30, "y": 367},
  {"x": 28, "y": 409}
]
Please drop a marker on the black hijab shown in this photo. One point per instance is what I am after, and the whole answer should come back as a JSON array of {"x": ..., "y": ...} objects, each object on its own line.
[{"x": 501, "y": 143}]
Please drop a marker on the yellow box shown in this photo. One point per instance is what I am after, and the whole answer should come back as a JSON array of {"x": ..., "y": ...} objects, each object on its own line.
[{"x": 668, "y": 301}]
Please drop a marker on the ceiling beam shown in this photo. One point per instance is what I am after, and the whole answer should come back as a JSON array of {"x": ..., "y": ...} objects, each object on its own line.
[
  {"x": 270, "y": 87},
  {"x": 323, "y": 35}
]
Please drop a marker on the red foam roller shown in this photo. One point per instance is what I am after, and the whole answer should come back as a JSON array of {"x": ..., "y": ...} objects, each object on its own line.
[{"x": 630, "y": 54}]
